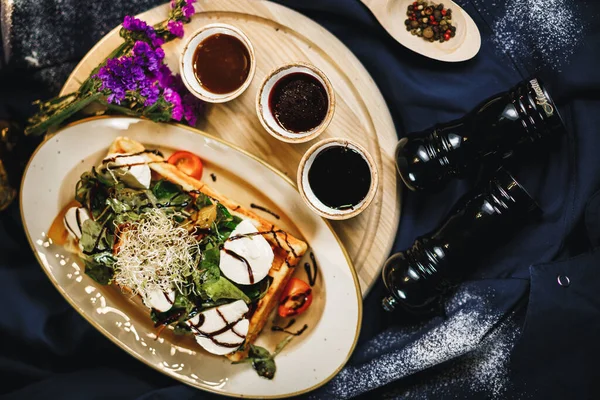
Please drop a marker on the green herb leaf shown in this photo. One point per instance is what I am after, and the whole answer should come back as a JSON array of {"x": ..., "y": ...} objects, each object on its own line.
[
  {"x": 117, "y": 206},
  {"x": 210, "y": 264},
  {"x": 262, "y": 362},
  {"x": 181, "y": 329},
  {"x": 134, "y": 199},
  {"x": 179, "y": 312},
  {"x": 223, "y": 289},
  {"x": 202, "y": 200},
  {"x": 126, "y": 217},
  {"x": 98, "y": 272},
  {"x": 225, "y": 223},
  {"x": 105, "y": 258},
  {"x": 84, "y": 186},
  {"x": 104, "y": 177},
  {"x": 90, "y": 230},
  {"x": 258, "y": 290},
  {"x": 170, "y": 194}
]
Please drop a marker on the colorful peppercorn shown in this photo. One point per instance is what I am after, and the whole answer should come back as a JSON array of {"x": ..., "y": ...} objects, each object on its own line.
[{"x": 430, "y": 21}]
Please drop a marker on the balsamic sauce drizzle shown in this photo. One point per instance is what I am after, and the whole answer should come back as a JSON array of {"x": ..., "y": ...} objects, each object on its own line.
[
  {"x": 292, "y": 321},
  {"x": 290, "y": 246},
  {"x": 274, "y": 232},
  {"x": 245, "y": 235},
  {"x": 261, "y": 208},
  {"x": 226, "y": 322},
  {"x": 170, "y": 319},
  {"x": 279, "y": 328},
  {"x": 168, "y": 298},
  {"x": 97, "y": 242},
  {"x": 211, "y": 335},
  {"x": 311, "y": 270},
  {"x": 213, "y": 177},
  {"x": 297, "y": 299},
  {"x": 242, "y": 259},
  {"x": 115, "y": 167},
  {"x": 297, "y": 333},
  {"x": 69, "y": 226},
  {"x": 114, "y": 158}
]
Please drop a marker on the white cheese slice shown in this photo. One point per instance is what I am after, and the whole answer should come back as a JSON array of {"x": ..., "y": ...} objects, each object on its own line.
[
  {"x": 221, "y": 330},
  {"x": 134, "y": 172},
  {"x": 74, "y": 219},
  {"x": 254, "y": 249},
  {"x": 159, "y": 300}
]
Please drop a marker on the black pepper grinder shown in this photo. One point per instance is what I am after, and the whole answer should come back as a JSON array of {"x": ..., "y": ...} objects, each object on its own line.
[
  {"x": 504, "y": 123},
  {"x": 480, "y": 221}
]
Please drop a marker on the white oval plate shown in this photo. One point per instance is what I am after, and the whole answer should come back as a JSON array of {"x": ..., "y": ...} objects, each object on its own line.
[{"x": 334, "y": 319}]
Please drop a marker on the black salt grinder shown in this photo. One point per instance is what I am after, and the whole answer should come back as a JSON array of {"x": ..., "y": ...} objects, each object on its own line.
[
  {"x": 479, "y": 222},
  {"x": 496, "y": 128}
]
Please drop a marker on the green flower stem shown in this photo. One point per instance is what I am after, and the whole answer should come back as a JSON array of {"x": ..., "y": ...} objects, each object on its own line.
[
  {"x": 121, "y": 109},
  {"x": 54, "y": 112},
  {"x": 60, "y": 116}
]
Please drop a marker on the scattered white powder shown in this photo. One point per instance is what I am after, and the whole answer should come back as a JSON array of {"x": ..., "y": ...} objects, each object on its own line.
[
  {"x": 473, "y": 337},
  {"x": 545, "y": 32}
]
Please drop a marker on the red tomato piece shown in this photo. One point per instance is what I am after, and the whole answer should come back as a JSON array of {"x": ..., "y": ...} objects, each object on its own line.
[
  {"x": 295, "y": 299},
  {"x": 188, "y": 163}
]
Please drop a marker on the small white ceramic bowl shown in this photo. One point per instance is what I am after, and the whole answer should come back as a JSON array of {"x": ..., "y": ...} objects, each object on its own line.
[
  {"x": 311, "y": 199},
  {"x": 266, "y": 117},
  {"x": 186, "y": 62}
]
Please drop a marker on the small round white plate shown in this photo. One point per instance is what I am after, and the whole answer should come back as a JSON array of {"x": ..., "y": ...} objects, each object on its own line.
[{"x": 333, "y": 320}]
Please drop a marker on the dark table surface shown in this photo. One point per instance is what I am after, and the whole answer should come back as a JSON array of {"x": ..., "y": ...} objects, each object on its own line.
[{"x": 511, "y": 330}]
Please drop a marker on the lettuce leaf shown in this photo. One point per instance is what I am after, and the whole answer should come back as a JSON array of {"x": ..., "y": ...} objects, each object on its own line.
[
  {"x": 225, "y": 223},
  {"x": 258, "y": 290},
  {"x": 169, "y": 194},
  {"x": 223, "y": 289},
  {"x": 90, "y": 230},
  {"x": 99, "y": 268},
  {"x": 202, "y": 201},
  {"x": 262, "y": 361},
  {"x": 210, "y": 264}
]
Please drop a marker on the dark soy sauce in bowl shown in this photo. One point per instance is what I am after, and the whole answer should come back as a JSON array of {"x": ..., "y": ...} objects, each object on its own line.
[{"x": 340, "y": 177}]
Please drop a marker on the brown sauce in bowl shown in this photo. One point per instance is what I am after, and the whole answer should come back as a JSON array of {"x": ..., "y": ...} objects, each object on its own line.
[{"x": 221, "y": 63}]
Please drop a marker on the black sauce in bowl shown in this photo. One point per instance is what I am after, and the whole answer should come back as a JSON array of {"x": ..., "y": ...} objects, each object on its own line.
[{"x": 340, "y": 177}]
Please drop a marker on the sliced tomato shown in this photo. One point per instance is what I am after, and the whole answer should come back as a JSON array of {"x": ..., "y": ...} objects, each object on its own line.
[
  {"x": 187, "y": 163},
  {"x": 295, "y": 299}
]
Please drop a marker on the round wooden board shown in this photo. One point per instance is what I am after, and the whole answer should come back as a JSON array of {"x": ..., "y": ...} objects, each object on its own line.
[{"x": 280, "y": 35}]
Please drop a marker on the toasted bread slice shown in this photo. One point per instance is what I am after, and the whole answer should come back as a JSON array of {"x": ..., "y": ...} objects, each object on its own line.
[{"x": 287, "y": 249}]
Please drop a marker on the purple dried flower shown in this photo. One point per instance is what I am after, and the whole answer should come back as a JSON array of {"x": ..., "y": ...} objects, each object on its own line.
[
  {"x": 135, "y": 72},
  {"x": 176, "y": 28},
  {"x": 164, "y": 76},
  {"x": 173, "y": 97},
  {"x": 188, "y": 10},
  {"x": 133, "y": 24},
  {"x": 151, "y": 93},
  {"x": 191, "y": 106}
]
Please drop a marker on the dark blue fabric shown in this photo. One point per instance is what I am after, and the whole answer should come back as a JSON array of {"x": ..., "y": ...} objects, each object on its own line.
[{"x": 510, "y": 313}]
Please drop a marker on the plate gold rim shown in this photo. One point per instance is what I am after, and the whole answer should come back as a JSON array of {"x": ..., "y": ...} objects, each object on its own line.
[{"x": 122, "y": 345}]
